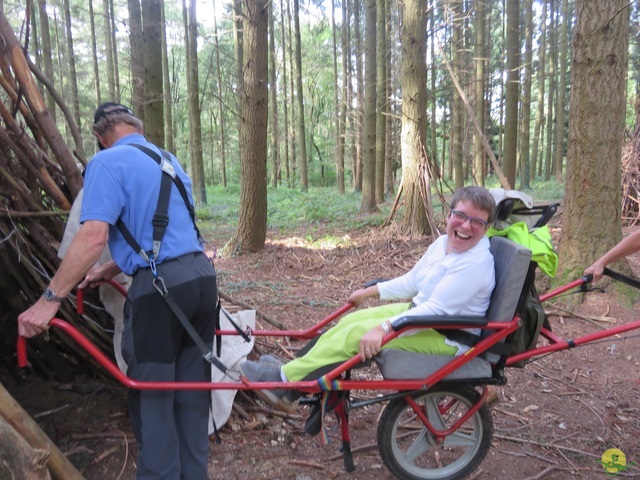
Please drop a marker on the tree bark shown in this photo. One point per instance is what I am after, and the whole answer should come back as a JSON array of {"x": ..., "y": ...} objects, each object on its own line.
[
  {"x": 300, "y": 120},
  {"x": 252, "y": 219},
  {"x": 94, "y": 53},
  {"x": 381, "y": 97},
  {"x": 526, "y": 97},
  {"x": 510, "y": 151},
  {"x": 596, "y": 129},
  {"x": 153, "y": 102},
  {"x": 413, "y": 136},
  {"x": 562, "y": 87},
  {"x": 47, "y": 54},
  {"x": 368, "y": 203},
  {"x": 137, "y": 59},
  {"x": 480, "y": 171}
]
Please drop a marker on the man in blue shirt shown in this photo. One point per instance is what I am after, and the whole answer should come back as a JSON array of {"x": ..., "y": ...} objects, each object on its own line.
[{"x": 122, "y": 183}]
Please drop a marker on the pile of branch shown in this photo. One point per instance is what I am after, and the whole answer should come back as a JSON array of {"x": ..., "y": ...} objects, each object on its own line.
[
  {"x": 39, "y": 178},
  {"x": 631, "y": 181}
]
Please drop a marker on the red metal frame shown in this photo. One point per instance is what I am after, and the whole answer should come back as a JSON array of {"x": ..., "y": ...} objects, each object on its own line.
[
  {"x": 440, "y": 435},
  {"x": 331, "y": 381}
]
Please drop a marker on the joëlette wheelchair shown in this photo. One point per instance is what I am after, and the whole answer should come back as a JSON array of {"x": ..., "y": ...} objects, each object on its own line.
[{"x": 436, "y": 423}]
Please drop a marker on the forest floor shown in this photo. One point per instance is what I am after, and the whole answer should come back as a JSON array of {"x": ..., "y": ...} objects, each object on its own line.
[{"x": 554, "y": 419}]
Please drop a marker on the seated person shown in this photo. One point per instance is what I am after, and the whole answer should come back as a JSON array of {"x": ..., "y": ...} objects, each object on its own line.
[{"x": 454, "y": 277}]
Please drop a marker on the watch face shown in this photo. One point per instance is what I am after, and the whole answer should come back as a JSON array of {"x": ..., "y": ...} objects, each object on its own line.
[{"x": 50, "y": 296}]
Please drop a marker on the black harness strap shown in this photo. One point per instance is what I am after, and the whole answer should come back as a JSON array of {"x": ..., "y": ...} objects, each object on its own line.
[
  {"x": 160, "y": 222},
  {"x": 632, "y": 282}
]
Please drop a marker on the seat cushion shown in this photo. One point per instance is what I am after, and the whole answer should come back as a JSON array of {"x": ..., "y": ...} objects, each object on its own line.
[{"x": 400, "y": 365}]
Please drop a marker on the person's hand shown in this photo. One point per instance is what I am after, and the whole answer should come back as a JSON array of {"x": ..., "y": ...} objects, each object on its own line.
[
  {"x": 596, "y": 270},
  {"x": 98, "y": 274},
  {"x": 362, "y": 294},
  {"x": 371, "y": 343},
  {"x": 36, "y": 319}
]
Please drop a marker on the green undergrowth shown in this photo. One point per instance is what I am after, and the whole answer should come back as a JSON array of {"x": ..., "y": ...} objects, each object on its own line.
[{"x": 320, "y": 216}]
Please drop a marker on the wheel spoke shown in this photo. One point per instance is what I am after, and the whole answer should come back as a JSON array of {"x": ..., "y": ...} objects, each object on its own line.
[
  {"x": 420, "y": 445},
  {"x": 462, "y": 439},
  {"x": 433, "y": 413}
]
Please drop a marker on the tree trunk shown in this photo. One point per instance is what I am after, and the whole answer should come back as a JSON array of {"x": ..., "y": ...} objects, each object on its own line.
[
  {"x": 73, "y": 79},
  {"x": 457, "y": 108},
  {"x": 337, "y": 111},
  {"x": 551, "y": 75},
  {"x": 109, "y": 49},
  {"x": 302, "y": 142},
  {"x": 537, "y": 132},
  {"x": 360, "y": 89},
  {"x": 153, "y": 103},
  {"x": 166, "y": 85},
  {"x": 197, "y": 162},
  {"x": 479, "y": 172},
  {"x": 368, "y": 203},
  {"x": 413, "y": 137},
  {"x": 511, "y": 96},
  {"x": 94, "y": 53},
  {"x": 221, "y": 120},
  {"x": 252, "y": 218},
  {"x": 137, "y": 60},
  {"x": 47, "y": 54},
  {"x": 562, "y": 87},
  {"x": 381, "y": 97},
  {"x": 275, "y": 131},
  {"x": 285, "y": 96},
  {"x": 526, "y": 97},
  {"x": 596, "y": 129}
]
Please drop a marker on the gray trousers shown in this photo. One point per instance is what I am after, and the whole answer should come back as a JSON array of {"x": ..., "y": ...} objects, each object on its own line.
[{"x": 171, "y": 427}]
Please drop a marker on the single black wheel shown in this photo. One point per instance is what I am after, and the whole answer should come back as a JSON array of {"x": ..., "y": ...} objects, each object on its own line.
[{"x": 410, "y": 451}]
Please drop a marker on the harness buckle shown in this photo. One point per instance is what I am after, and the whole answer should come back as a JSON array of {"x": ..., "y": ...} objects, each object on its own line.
[
  {"x": 160, "y": 220},
  {"x": 160, "y": 286}
]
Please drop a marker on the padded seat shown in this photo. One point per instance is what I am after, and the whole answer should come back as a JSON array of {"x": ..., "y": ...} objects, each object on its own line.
[{"x": 511, "y": 263}]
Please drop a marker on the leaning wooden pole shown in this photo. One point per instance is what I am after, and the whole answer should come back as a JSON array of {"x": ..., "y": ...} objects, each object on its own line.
[
  {"x": 13, "y": 50},
  {"x": 492, "y": 158},
  {"x": 59, "y": 466}
]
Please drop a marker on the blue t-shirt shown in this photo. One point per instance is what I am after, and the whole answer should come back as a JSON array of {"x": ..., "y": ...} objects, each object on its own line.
[{"x": 123, "y": 182}]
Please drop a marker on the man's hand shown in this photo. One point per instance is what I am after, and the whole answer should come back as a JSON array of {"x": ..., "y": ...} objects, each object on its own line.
[
  {"x": 100, "y": 273},
  {"x": 371, "y": 343},
  {"x": 36, "y": 319}
]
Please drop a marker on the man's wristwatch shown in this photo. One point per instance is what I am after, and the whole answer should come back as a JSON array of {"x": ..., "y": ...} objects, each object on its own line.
[
  {"x": 50, "y": 296},
  {"x": 386, "y": 327}
]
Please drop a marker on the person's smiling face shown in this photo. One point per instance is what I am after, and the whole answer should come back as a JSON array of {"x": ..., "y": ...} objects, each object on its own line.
[{"x": 466, "y": 226}]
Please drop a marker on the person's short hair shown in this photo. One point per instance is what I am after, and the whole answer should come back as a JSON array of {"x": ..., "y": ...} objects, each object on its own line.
[
  {"x": 478, "y": 196},
  {"x": 110, "y": 114}
]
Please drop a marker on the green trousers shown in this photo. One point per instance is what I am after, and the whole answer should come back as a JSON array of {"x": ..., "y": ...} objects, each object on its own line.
[{"x": 340, "y": 343}]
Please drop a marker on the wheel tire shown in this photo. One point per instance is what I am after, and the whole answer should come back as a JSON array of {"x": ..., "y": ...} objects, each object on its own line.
[{"x": 409, "y": 450}]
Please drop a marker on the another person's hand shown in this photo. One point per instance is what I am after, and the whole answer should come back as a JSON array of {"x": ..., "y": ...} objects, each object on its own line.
[
  {"x": 596, "y": 270},
  {"x": 371, "y": 343},
  {"x": 36, "y": 319}
]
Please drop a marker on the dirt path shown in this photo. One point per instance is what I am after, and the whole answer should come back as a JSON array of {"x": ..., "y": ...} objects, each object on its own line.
[{"x": 553, "y": 420}]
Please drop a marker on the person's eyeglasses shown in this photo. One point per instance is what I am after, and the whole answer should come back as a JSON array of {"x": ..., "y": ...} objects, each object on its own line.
[{"x": 463, "y": 217}]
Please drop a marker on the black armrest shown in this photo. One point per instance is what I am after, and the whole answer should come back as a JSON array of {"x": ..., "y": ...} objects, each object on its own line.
[
  {"x": 374, "y": 282},
  {"x": 428, "y": 320}
]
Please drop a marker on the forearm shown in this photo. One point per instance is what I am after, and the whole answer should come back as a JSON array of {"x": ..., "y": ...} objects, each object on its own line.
[
  {"x": 627, "y": 246},
  {"x": 82, "y": 255}
]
